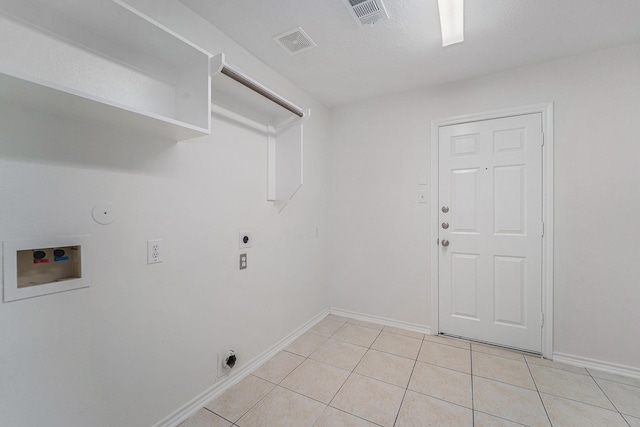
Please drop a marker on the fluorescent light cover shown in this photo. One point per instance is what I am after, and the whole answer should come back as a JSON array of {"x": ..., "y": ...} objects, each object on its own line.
[{"x": 451, "y": 21}]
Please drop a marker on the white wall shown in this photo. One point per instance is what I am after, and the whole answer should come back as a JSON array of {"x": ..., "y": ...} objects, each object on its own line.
[
  {"x": 379, "y": 253},
  {"x": 142, "y": 340}
]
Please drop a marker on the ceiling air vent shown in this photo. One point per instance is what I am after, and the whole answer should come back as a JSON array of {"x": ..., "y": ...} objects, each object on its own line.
[
  {"x": 366, "y": 12},
  {"x": 295, "y": 41}
]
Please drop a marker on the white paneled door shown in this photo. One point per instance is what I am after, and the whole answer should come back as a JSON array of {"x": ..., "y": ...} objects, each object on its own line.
[{"x": 490, "y": 235}]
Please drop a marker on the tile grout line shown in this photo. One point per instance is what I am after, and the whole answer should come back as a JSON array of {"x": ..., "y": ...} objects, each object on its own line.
[
  {"x": 613, "y": 381},
  {"x": 286, "y": 376},
  {"x": 214, "y": 413},
  {"x": 502, "y": 418},
  {"x": 352, "y": 372},
  {"x": 540, "y": 365},
  {"x": 608, "y": 398},
  {"x": 575, "y": 399},
  {"x": 300, "y": 394},
  {"x": 404, "y": 395},
  {"x": 473, "y": 403},
  {"x": 538, "y": 391},
  {"x": 259, "y": 400}
]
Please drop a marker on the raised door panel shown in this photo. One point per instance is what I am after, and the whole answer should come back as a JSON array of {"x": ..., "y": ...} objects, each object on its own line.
[
  {"x": 464, "y": 284},
  {"x": 509, "y": 291},
  {"x": 509, "y": 207}
]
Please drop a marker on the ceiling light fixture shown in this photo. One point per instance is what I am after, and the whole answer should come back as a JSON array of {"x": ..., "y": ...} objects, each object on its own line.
[{"x": 451, "y": 21}]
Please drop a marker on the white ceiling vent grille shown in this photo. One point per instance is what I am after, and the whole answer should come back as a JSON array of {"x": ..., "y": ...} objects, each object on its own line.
[
  {"x": 295, "y": 41},
  {"x": 366, "y": 12}
]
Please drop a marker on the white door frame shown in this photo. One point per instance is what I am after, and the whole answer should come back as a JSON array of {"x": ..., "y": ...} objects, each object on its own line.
[{"x": 546, "y": 110}]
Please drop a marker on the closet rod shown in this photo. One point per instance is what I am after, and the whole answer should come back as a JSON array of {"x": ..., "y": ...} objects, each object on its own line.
[{"x": 248, "y": 83}]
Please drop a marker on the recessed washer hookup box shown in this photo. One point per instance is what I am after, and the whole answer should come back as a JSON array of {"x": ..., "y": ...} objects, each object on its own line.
[{"x": 38, "y": 267}]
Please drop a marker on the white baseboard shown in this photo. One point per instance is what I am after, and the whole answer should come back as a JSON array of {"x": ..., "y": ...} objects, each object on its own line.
[
  {"x": 600, "y": 365},
  {"x": 224, "y": 384},
  {"x": 414, "y": 327}
]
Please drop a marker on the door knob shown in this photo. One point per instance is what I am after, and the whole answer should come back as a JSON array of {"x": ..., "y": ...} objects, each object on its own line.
[
  {"x": 445, "y": 225},
  {"x": 445, "y": 209},
  {"x": 445, "y": 243}
]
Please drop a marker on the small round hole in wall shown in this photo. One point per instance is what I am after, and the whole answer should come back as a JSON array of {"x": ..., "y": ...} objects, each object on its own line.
[{"x": 104, "y": 213}]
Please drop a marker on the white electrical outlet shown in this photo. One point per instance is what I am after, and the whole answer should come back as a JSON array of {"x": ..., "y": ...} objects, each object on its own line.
[{"x": 154, "y": 251}]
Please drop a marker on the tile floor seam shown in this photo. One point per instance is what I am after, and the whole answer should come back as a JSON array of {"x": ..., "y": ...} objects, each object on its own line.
[
  {"x": 218, "y": 415},
  {"x": 287, "y": 376},
  {"x": 349, "y": 342},
  {"x": 615, "y": 410},
  {"x": 607, "y": 396},
  {"x": 354, "y": 415},
  {"x": 473, "y": 409},
  {"x": 405, "y": 391},
  {"x": 445, "y": 367},
  {"x": 444, "y": 400},
  {"x": 393, "y": 354},
  {"x": 303, "y": 395},
  {"x": 349, "y": 413},
  {"x": 294, "y": 391},
  {"x": 557, "y": 369},
  {"x": 364, "y": 326},
  {"x": 626, "y": 420},
  {"x": 226, "y": 419},
  {"x": 504, "y": 382},
  {"x": 374, "y": 340},
  {"x": 340, "y": 388},
  {"x": 437, "y": 342},
  {"x": 335, "y": 394},
  {"x": 339, "y": 340},
  {"x": 254, "y": 405},
  {"x": 382, "y": 381},
  {"x": 502, "y": 418},
  {"x": 613, "y": 381},
  {"x": 546, "y": 411},
  {"x": 350, "y": 374},
  {"x": 326, "y": 363}
]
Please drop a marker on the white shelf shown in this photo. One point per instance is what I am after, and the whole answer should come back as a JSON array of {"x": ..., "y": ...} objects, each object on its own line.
[
  {"x": 103, "y": 61},
  {"x": 240, "y": 98}
]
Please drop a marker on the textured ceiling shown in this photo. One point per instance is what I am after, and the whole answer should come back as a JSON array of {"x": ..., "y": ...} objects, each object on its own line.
[{"x": 353, "y": 63}]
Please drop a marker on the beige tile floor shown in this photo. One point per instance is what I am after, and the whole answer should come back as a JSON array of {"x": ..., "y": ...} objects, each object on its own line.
[{"x": 351, "y": 373}]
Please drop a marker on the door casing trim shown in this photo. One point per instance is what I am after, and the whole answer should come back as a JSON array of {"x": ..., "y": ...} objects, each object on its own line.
[{"x": 546, "y": 110}]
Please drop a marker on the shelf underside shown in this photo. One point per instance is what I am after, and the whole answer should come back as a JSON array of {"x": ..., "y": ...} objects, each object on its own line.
[{"x": 67, "y": 103}]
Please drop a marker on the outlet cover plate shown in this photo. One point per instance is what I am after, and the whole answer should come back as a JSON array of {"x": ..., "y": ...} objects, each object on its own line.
[{"x": 154, "y": 251}]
